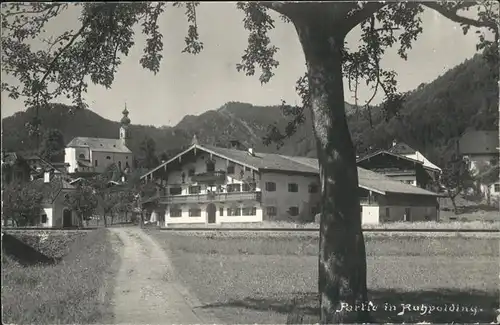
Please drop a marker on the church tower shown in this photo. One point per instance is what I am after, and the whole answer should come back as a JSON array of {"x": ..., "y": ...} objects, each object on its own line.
[{"x": 124, "y": 128}]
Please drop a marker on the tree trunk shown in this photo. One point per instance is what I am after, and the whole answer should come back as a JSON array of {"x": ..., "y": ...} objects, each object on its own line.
[
  {"x": 452, "y": 198},
  {"x": 342, "y": 257}
]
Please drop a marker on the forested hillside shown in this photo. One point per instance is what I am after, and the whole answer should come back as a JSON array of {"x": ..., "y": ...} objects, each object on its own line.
[{"x": 433, "y": 116}]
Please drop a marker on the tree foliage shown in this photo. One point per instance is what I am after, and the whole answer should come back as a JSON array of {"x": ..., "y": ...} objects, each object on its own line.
[
  {"x": 455, "y": 178},
  {"x": 21, "y": 203},
  {"x": 83, "y": 201},
  {"x": 53, "y": 145},
  {"x": 147, "y": 158},
  {"x": 95, "y": 50}
]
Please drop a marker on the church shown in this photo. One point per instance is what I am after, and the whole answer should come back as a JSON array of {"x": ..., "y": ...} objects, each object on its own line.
[{"x": 87, "y": 156}]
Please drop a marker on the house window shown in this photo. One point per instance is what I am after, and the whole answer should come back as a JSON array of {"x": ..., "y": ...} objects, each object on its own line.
[
  {"x": 233, "y": 188},
  {"x": 247, "y": 187},
  {"x": 233, "y": 212},
  {"x": 270, "y": 186},
  {"x": 195, "y": 212},
  {"x": 293, "y": 211},
  {"x": 108, "y": 157},
  {"x": 230, "y": 169},
  {"x": 271, "y": 211},
  {"x": 175, "y": 190},
  {"x": 387, "y": 213},
  {"x": 221, "y": 211},
  {"x": 44, "y": 218},
  {"x": 314, "y": 210},
  {"x": 176, "y": 213},
  {"x": 210, "y": 166},
  {"x": 313, "y": 188},
  {"x": 194, "y": 189},
  {"x": 81, "y": 156},
  {"x": 126, "y": 157},
  {"x": 120, "y": 165},
  {"x": 293, "y": 187},
  {"x": 249, "y": 211},
  {"x": 191, "y": 172},
  {"x": 247, "y": 169},
  {"x": 496, "y": 188},
  {"x": 127, "y": 165},
  {"x": 95, "y": 162}
]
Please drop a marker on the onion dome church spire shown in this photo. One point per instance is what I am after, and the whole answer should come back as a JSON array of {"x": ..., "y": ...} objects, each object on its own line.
[{"x": 124, "y": 128}]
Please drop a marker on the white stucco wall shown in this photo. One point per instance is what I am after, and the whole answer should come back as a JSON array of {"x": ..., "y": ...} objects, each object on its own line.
[
  {"x": 114, "y": 157},
  {"x": 203, "y": 218},
  {"x": 199, "y": 166},
  {"x": 283, "y": 200},
  {"x": 70, "y": 158},
  {"x": 73, "y": 154},
  {"x": 49, "y": 212},
  {"x": 370, "y": 214}
]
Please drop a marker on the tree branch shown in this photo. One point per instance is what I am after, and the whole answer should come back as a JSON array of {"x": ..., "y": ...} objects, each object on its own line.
[
  {"x": 452, "y": 15},
  {"x": 359, "y": 15}
]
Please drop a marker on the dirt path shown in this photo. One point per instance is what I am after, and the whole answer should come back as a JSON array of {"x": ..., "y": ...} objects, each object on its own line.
[{"x": 146, "y": 291}]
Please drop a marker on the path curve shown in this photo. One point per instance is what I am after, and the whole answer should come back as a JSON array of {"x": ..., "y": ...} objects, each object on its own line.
[{"x": 146, "y": 291}]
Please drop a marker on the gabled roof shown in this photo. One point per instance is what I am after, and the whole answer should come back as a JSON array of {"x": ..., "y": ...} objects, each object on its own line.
[
  {"x": 401, "y": 148},
  {"x": 374, "y": 181},
  {"x": 100, "y": 144},
  {"x": 274, "y": 162},
  {"x": 385, "y": 152},
  {"x": 51, "y": 190}
]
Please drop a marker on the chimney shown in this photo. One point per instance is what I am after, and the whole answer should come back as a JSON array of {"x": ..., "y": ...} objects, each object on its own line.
[
  {"x": 46, "y": 176},
  {"x": 250, "y": 151}
]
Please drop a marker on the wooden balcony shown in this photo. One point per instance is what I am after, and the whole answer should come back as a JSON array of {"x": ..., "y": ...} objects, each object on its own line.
[
  {"x": 216, "y": 177},
  {"x": 211, "y": 197}
]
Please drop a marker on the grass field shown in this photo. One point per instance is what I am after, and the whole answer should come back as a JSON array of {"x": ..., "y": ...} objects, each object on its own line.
[
  {"x": 77, "y": 289},
  {"x": 256, "y": 279},
  {"x": 391, "y": 225}
]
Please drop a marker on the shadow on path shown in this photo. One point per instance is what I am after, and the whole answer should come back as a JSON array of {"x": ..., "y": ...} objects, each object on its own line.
[{"x": 450, "y": 306}]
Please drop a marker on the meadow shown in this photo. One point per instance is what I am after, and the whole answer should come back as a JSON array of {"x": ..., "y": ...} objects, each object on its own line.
[
  {"x": 71, "y": 284},
  {"x": 250, "y": 277}
]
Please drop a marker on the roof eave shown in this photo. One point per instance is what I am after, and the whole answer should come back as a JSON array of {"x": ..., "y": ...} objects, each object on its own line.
[{"x": 197, "y": 146}]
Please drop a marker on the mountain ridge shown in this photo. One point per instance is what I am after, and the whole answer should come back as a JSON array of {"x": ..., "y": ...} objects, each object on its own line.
[{"x": 466, "y": 96}]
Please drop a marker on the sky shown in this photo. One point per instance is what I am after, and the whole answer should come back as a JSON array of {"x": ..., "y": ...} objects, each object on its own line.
[{"x": 191, "y": 85}]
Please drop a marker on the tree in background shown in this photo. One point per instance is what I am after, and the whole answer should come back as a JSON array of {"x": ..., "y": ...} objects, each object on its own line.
[
  {"x": 485, "y": 175},
  {"x": 147, "y": 158},
  {"x": 21, "y": 203},
  {"x": 104, "y": 191},
  {"x": 52, "y": 146},
  {"x": 138, "y": 191},
  {"x": 455, "y": 178},
  {"x": 83, "y": 200},
  {"x": 163, "y": 157},
  {"x": 106, "y": 35}
]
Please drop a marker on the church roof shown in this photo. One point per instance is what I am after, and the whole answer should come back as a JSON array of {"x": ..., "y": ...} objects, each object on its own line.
[{"x": 100, "y": 144}]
